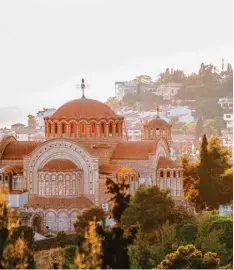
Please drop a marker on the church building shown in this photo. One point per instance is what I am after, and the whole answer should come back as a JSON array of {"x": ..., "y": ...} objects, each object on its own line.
[{"x": 52, "y": 181}]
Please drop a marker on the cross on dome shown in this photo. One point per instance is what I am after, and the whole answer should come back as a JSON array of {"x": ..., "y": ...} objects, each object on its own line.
[{"x": 82, "y": 86}]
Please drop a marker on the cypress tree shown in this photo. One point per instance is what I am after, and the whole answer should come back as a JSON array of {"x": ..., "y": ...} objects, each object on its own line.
[
  {"x": 203, "y": 172},
  {"x": 208, "y": 175}
]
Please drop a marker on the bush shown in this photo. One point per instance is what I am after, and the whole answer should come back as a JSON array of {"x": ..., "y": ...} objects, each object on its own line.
[
  {"x": 226, "y": 225},
  {"x": 61, "y": 238},
  {"x": 69, "y": 256},
  {"x": 188, "y": 233},
  {"x": 24, "y": 232}
]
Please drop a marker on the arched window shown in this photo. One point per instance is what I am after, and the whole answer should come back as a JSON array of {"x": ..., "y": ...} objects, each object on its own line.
[
  {"x": 157, "y": 131},
  {"x": 178, "y": 173},
  {"x": 174, "y": 173},
  {"x": 161, "y": 174},
  {"x": 110, "y": 129},
  {"x": 82, "y": 129},
  {"x": 117, "y": 129},
  {"x": 102, "y": 131},
  {"x": 168, "y": 174},
  {"x": 63, "y": 128},
  {"x": 126, "y": 178},
  {"x": 73, "y": 128},
  {"x": 55, "y": 128},
  {"x": 49, "y": 128},
  {"x": 92, "y": 128}
]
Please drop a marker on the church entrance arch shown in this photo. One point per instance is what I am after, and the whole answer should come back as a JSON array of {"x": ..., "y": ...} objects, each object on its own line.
[
  {"x": 36, "y": 224},
  {"x": 61, "y": 149}
]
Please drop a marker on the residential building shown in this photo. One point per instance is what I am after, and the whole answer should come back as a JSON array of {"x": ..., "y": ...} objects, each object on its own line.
[
  {"x": 168, "y": 90},
  {"x": 44, "y": 113}
]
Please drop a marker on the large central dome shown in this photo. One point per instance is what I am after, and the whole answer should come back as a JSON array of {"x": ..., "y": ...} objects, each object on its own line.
[{"x": 84, "y": 108}]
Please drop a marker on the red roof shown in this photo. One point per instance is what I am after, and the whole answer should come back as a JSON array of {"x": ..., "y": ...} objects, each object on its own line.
[
  {"x": 60, "y": 165},
  {"x": 58, "y": 203},
  {"x": 84, "y": 108},
  {"x": 16, "y": 150},
  {"x": 157, "y": 123},
  {"x": 134, "y": 150},
  {"x": 109, "y": 168},
  {"x": 165, "y": 162}
]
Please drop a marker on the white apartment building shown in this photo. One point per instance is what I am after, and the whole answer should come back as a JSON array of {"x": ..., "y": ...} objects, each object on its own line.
[
  {"x": 168, "y": 90},
  {"x": 41, "y": 114}
]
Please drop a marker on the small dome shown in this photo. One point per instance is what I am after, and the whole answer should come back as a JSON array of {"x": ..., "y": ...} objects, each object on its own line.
[
  {"x": 157, "y": 123},
  {"x": 84, "y": 108}
]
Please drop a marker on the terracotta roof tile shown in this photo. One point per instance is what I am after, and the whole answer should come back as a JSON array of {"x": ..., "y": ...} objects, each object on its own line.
[
  {"x": 60, "y": 165},
  {"x": 109, "y": 168},
  {"x": 16, "y": 150},
  {"x": 58, "y": 203},
  {"x": 157, "y": 123},
  {"x": 134, "y": 150},
  {"x": 165, "y": 162},
  {"x": 84, "y": 108}
]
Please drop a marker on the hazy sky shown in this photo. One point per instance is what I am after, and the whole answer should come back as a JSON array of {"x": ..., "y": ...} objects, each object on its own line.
[{"x": 46, "y": 47}]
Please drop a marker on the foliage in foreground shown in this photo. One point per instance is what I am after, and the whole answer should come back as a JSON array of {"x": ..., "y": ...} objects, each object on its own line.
[{"x": 188, "y": 257}]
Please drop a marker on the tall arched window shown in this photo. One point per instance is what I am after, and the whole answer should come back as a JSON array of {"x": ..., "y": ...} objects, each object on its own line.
[
  {"x": 117, "y": 129},
  {"x": 63, "y": 128},
  {"x": 55, "y": 128},
  {"x": 178, "y": 173},
  {"x": 157, "y": 131},
  {"x": 110, "y": 129},
  {"x": 174, "y": 174},
  {"x": 168, "y": 174},
  {"x": 102, "y": 131},
  {"x": 49, "y": 128},
  {"x": 161, "y": 174},
  {"x": 73, "y": 128},
  {"x": 92, "y": 128},
  {"x": 82, "y": 129}
]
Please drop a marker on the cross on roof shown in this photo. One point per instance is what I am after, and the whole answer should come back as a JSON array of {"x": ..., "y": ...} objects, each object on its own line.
[
  {"x": 82, "y": 86},
  {"x": 158, "y": 110}
]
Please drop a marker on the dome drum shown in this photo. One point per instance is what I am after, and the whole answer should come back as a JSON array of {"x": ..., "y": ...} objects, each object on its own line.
[{"x": 84, "y": 118}]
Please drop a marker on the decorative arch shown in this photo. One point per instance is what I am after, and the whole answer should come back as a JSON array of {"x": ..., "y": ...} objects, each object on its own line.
[{"x": 61, "y": 149}]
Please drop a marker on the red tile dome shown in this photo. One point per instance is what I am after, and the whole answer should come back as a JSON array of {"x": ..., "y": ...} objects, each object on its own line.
[
  {"x": 84, "y": 108},
  {"x": 157, "y": 123}
]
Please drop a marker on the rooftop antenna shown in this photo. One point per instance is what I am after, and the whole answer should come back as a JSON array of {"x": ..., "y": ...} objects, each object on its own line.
[{"x": 82, "y": 86}]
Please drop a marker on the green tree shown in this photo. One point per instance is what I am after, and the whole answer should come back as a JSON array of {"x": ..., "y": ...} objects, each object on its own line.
[
  {"x": 69, "y": 256},
  {"x": 82, "y": 222},
  {"x": 115, "y": 248},
  {"x": 61, "y": 238},
  {"x": 18, "y": 256},
  {"x": 188, "y": 257},
  {"x": 226, "y": 187},
  {"x": 188, "y": 233},
  {"x": 24, "y": 232},
  {"x": 207, "y": 187},
  {"x": 150, "y": 208},
  {"x": 140, "y": 80},
  {"x": 90, "y": 255},
  {"x": 120, "y": 198}
]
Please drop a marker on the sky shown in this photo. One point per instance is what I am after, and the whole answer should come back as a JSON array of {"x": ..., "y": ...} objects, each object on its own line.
[{"x": 47, "y": 47}]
